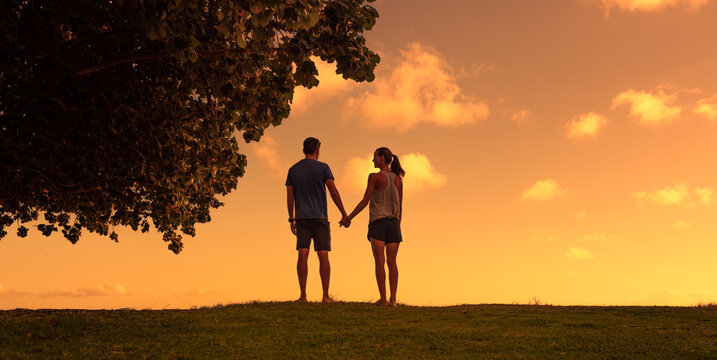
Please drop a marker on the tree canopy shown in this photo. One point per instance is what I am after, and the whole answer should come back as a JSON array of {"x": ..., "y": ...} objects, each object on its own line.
[{"x": 127, "y": 112}]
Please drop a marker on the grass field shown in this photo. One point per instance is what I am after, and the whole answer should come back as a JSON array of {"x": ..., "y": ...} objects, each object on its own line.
[{"x": 362, "y": 331}]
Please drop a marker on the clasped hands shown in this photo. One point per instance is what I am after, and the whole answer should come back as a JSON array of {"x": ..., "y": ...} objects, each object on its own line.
[{"x": 345, "y": 221}]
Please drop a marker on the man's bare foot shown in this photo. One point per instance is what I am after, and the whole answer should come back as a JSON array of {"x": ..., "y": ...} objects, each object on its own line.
[
  {"x": 302, "y": 299},
  {"x": 381, "y": 302},
  {"x": 392, "y": 303},
  {"x": 327, "y": 299}
]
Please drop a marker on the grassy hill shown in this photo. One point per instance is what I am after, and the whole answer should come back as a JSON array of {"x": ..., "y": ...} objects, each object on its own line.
[{"x": 362, "y": 331}]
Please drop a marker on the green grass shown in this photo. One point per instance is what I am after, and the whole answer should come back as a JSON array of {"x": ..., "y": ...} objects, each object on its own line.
[{"x": 362, "y": 331}]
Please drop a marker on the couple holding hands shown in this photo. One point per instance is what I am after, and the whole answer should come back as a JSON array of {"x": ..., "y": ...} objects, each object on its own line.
[{"x": 306, "y": 186}]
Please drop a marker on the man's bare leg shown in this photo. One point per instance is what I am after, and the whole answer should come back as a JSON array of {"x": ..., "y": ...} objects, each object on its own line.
[
  {"x": 302, "y": 269},
  {"x": 378, "y": 248},
  {"x": 391, "y": 254},
  {"x": 325, "y": 272}
]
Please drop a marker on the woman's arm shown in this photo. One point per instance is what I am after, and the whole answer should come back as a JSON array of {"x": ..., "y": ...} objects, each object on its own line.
[{"x": 366, "y": 197}]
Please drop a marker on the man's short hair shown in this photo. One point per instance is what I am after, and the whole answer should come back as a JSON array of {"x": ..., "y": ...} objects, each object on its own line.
[{"x": 311, "y": 144}]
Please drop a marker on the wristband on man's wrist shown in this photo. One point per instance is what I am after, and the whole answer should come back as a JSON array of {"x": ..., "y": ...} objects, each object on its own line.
[{"x": 291, "y": 219}]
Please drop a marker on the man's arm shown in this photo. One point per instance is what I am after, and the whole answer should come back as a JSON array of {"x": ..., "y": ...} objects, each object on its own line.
[
  {"x": 335, "y": 196},
  {"x": 290, "y": 206}
]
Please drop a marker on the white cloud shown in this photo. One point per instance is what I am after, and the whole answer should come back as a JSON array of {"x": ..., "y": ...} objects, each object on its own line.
[
  {"x": 420, "y": 173},
  {"x": 682, "y": 225},
  {"x": 576, "y": 253},
  {"x": 198, "y": 293},
  {"x": 330, "y": 85},
  {"x": 584, "y": 126},
  {"x": 650, "y": 5},
  {"x": 679, "y": 194},
  {"x": 7, "y": 292},
  {"x": 653, "y": 107},
  {"x": 707, "y": 107},
  {"x": 597, "y": 237},
  {"x": 704, "y": 196},
  {"x": 669, "y": 195},
  {"x": 267, "y": 152},
  {"x": 543, "y": 190},
  {"x": 544, "y": 238},
  {"x": 475, "y": 70},
  {"x": 110, "y": 289},
  {"x": 523, "y": 117},
  {"x": 422, "y": 88}
]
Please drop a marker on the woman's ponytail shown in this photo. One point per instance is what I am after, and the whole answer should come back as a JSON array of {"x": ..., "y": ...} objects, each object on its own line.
[
  {"x": 396, "y": 166},
  {"x": 392, "y": 160}
]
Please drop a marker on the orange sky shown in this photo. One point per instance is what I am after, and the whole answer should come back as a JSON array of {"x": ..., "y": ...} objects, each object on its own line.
[{"x": 561, "y": 150}]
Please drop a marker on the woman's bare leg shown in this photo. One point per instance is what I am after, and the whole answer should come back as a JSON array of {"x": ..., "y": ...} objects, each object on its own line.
[
  {"x": 378, "y": 255},
  {"x": 391, "y": 254}
]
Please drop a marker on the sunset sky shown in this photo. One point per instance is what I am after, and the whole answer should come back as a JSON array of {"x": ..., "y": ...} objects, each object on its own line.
[{"x": 561, "y": 150}]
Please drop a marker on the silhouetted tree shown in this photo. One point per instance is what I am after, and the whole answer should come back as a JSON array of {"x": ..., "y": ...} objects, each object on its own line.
[{"x": 118, "y": 112}]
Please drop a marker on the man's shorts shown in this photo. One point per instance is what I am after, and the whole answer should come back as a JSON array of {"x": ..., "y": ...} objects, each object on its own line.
[
  {"x": 318, "y": 229},
  {"x": 387, "y": 230}
]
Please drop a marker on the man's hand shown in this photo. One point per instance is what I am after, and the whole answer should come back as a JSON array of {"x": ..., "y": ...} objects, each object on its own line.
[
  {"x": 293, "y": 227},
  {"x": 345, "y": 222}
]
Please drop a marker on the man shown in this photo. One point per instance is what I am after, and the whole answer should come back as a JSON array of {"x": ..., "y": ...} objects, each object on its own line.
[{"x": 306, "y": 191}]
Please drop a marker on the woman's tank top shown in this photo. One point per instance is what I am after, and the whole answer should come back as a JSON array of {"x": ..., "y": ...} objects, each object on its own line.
[{"x": 385, "y": 202}]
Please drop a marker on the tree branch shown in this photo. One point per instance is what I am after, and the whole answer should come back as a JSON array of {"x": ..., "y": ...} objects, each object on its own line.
[
  {"x": 42, "y": 49},
  {"x": 119, "y": 61},
  {"x": 103, "y": 36}
]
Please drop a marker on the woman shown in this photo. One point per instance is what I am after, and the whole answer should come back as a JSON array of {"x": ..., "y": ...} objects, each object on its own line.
[{"x": 385, "y": 194}]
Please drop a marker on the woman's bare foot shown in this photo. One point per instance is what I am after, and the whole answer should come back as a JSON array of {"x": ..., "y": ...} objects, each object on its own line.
[
  {"x": 327, "y": 299},
  {"x": 302, "y": 299},
  {"x": 381, "y": 302},
  {"x": 392, "y": 303}
]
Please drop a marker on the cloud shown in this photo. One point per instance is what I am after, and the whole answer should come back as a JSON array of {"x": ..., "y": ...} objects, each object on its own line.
[
  {"x": 475, "y": 70},
  {"x": 523, "y": 118},
  {"x": 576, "y": 253},
  {"x": 267, "y": 152},
  {"x": 110, "y": 289},
  {"x": 705, "y": 196},
  {"x": 420, "y": 173},
  {"x": 679, "y": 194},
  {"x": 597, "y": 237},
  {"x": 198, "y": 293},
  {"x": 421, "y": 88},
  {"x": 650, "y": 5},
  {"x": 653, "y": 107},
  {"x": 584, "y": 126},
  {"x": 330, "y": 85},
  {"x": 543, "y": 190},
  {"x": 682, "y": 225},
  {"x": 707, "y": 107},
  {"x": 7, "y": 292},
  {"x": 544, "y": 239}
]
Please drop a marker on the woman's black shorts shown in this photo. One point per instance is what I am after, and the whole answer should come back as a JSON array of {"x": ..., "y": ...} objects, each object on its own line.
[{"x": 387, "y": 230}]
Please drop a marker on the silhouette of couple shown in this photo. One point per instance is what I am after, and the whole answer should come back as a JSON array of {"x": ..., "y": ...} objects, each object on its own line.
[{"x": 306, "y": 186}]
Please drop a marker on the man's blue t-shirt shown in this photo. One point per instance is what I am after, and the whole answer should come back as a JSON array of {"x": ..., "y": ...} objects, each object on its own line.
[{"x": 308, "y": 177}]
